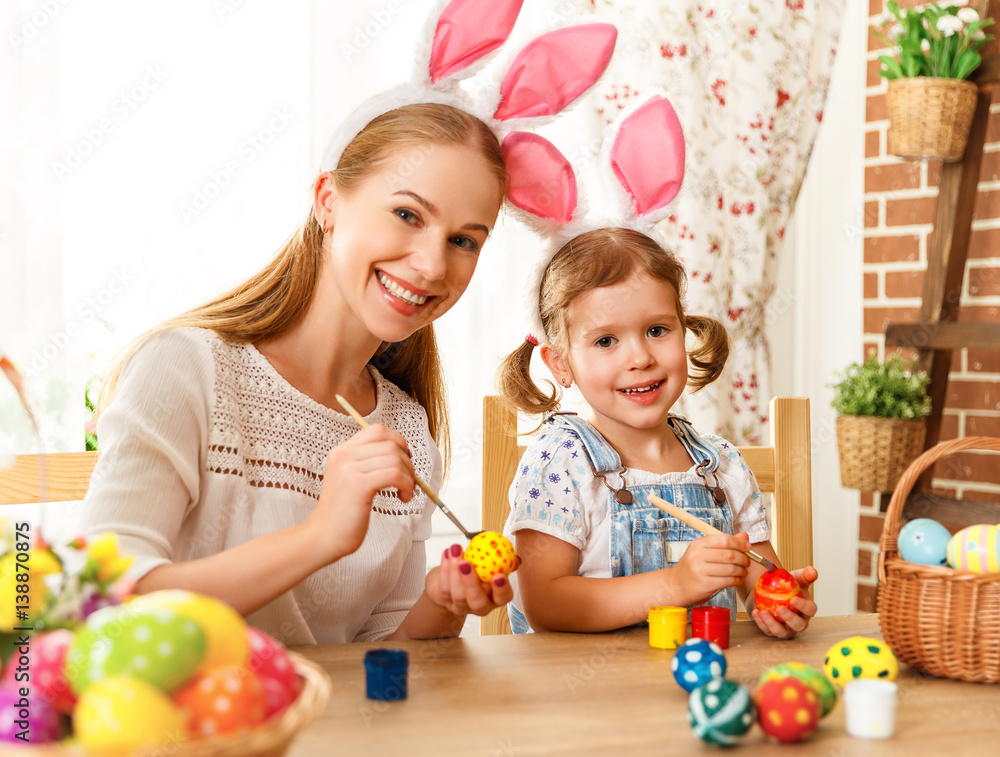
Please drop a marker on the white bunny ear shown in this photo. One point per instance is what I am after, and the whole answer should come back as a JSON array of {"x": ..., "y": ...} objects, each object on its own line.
[
  {"x": 644, "y": 149},
  {"x": 467, "y": 31},
  {"x": 554, "y": 69}
]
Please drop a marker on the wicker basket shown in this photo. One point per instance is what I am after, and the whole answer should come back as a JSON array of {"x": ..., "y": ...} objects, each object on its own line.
[
  {"x": 270, "y": 739},
  {"x": 929, "y": 117},
  {"x": 936, "y": 619},
  {"x": 874, "y": 452}
]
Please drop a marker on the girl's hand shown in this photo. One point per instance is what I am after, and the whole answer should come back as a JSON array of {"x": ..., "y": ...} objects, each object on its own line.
[
  {"x": 375, "y": 458},
  {"x": 455, "y": 586},
  {"x": 791, "y": 622},
  {"x": 712, "y": 563}
]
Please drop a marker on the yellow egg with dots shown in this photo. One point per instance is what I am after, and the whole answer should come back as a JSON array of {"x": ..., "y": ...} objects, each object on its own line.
[
  {"x": 491, "y": 553},
  {"x": 120, "y": 716}
]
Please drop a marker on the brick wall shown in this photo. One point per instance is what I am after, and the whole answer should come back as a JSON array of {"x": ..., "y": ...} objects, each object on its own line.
[{"x": 899, "y": 202}]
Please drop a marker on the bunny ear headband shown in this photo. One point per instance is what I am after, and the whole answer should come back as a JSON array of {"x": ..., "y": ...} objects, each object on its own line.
[
  {"x": 549, "y": 73},
  {"x": 641, "y": 167}
]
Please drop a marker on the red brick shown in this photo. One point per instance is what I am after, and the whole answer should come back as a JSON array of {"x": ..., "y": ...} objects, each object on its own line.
[
  {"x": 875, "y": 7},
  {"x": 990, "y": 166},
  {"x": 985, "y": 243},
  {"x": 956, "y": 361},
  {"x": 984, "y": 281},
  {"x": 892, "y": 177},
  {"x": 871, "y": 286},
  {"x": 908, "y": 354},
  {"x": 984, "y": 361},
  {"x": 867, "y": 598},
  {"x": 875, "y": 42},
  {"x": 871, "y": 214},
  {"x": 979, "y": 314},
  {"x": 993, "y": 129},
  {"x": 872, "y": 78},
  {"x": 875, "y": 319},
  {"x": 949, "y": 426},
  {"x": 973, "y": 395},
  {"x": 982, "y": 425},
  {"x": 869, "y": 348},
  {"x": 876, "y": 108},
  {"x": 904, "y": 283},
  {"x": 981, "y": 496},
  {"x": 871, "y": 144},
  {"x": 865, "y": 563},
  {"x": 892, "y": 249},
  {"x": 866, "y": 499},
  {"x": 944, "y": 491},
  {"x": 910, "y": 211},
  {"x": 987, "y": 205},
  {"x": 967, "y": 466},
  {"x": 870, "y": 528}
]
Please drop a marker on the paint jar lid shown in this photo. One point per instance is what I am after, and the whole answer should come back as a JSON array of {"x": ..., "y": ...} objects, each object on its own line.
[{"x": 385, "y": 671}]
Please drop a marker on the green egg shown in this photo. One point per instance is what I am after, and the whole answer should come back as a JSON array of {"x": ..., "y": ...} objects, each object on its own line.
[{"x": 155, "y": 645}]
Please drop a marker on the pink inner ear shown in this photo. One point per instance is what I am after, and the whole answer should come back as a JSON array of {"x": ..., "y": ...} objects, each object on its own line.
[
  {"x": 542, "y": 181},
  {"x": 469, "y": 29},
  {"x": 554, "y": 69},
  {"x": 648, "y": 155}
]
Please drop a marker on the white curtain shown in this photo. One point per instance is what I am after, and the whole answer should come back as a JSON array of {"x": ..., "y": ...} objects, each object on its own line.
[{"x": 749, "y": 83}]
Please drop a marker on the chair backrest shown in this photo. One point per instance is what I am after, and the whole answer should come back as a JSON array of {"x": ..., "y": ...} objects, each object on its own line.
[
  {"x": 783, "y": 469},
  {"x": 66, "y": 478}
]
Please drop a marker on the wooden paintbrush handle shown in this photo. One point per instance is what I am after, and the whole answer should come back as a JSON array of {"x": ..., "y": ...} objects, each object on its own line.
[{"x": 684, "y": 516}]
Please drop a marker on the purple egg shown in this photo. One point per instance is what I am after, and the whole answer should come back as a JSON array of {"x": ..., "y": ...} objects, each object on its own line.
[{"x": 36, "y": 720}]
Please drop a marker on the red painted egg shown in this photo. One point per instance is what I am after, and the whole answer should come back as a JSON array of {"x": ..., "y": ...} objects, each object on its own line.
[
  {"x": 787, "y": 708},
  {"x": 270, "y": 661},
  {"x": 224, "y": 700},
  {"x": 775, "y": 589},
  {"x": 46, "y": 667}
]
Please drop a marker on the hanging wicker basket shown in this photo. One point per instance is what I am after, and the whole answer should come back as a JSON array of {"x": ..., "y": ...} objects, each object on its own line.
[
  {"x": 936, "y": 619},
  {"x": 930, "y": 117},
  {"x": 874, "y": 452}
]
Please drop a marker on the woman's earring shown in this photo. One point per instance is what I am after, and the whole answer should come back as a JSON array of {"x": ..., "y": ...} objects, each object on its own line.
[{"x": 565, "y": 384}]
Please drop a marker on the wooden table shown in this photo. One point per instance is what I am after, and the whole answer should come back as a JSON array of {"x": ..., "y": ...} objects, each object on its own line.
[{"x": 612, "y": 694}]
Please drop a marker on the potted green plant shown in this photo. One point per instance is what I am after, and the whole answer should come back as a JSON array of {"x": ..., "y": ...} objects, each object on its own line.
[
  {"x": 930, "y": 103},
  {"x": 882, "y": 408}
]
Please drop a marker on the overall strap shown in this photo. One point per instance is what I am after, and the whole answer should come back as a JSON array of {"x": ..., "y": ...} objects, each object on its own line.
[
  {"x": 603, "y": 457},
  {"x": 699, "y": 449}
]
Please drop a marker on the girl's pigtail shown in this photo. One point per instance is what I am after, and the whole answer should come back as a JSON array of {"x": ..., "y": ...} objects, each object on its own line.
[
  {"x": 709, "y": 355},
  {"x": 518, "y": 389}
]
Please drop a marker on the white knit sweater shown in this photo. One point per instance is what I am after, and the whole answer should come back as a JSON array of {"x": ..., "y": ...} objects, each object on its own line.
[{"x": 206, "y": 447}]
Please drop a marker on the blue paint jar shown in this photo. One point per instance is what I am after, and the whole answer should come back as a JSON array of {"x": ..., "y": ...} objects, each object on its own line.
[{"x": 386, "y": 673}]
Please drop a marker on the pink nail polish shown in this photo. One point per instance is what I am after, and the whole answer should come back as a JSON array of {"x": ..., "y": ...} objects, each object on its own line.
[
  {"x": 455, "y": 550},
  {"x": 465, "y": 568},
  {"x": 499, "y": 581}
]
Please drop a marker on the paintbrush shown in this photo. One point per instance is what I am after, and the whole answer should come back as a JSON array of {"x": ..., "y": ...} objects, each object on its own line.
[
  {"x": 426, "y": 489},
  {"x": 705, "y": 528}
]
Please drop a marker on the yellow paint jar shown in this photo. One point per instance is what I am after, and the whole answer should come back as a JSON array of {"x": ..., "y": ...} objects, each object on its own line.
[{"x": 667, "y": 627}]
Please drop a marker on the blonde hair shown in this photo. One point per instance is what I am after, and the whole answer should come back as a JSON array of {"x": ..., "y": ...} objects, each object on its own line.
[
  {"x": 600, "y": 258},
  {"x": 276, "y": 297}
]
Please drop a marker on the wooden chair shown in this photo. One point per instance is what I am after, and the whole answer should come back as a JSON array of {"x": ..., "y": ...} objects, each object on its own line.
[
  {"x": 67, "y": 475},
  {"x": 784, "y": 469}
]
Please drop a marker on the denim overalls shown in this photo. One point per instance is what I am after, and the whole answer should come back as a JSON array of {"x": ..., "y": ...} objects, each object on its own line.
[{"x": 643, "y": 537}]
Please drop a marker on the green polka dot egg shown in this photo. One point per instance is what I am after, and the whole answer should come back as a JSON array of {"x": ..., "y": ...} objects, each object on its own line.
[
  {"x": 810, "y": 677},
  {"x": 720, "y": 711},
  {"x": 155, "y": 645},
  {"x": 860, "y": 657}
]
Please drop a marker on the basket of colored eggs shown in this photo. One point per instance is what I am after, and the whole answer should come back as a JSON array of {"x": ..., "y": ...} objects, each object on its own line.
[
  {"x": 941, "y": 618},
  {"x": 170, "y": 672}
]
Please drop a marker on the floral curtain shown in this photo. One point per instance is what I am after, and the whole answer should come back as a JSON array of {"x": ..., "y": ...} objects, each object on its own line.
[{"x": 748, "y": 81}]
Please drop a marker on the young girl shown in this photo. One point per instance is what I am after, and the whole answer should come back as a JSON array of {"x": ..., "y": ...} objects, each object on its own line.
[{"x": 596, "y": 553}]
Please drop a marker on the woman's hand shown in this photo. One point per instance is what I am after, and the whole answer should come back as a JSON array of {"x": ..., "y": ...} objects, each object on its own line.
[
  {"x": 454, "y": 586},
  {"x": 793, "y": 620},
  {"x": 712, "y": 563},
  {"x": 375, "y": 458}
]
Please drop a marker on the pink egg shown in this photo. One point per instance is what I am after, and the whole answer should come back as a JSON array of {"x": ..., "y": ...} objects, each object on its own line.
[
  {"x": 270, "y": 660},
  {"x": 47, "y": 670},
  {"x": 30, "y": 715},
  {"x": 224, "y": 700}
]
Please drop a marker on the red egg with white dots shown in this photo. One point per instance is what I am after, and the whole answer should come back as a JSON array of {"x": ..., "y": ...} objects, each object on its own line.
[
  {"x": 47, "y": 670},
  {"x": 223, "y": 700},
  {"x": 270, "y": 661},
  {"x": 491, "y": 553}
]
